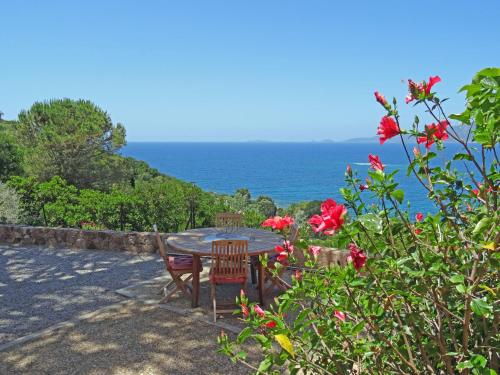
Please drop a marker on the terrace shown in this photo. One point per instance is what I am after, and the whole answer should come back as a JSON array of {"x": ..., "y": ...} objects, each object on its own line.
[{"x": 97, "y": 312}]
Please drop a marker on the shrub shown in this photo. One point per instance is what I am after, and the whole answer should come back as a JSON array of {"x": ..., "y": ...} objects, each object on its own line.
[
  {"x": 9, "y": 205},
  {"x": 419, "y": 294}
]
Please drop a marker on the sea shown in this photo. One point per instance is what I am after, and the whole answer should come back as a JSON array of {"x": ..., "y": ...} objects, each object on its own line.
[{"x": 286, "y": 172}]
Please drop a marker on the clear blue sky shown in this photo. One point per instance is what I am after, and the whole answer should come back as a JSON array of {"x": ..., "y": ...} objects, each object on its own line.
[{"x": 240, "y": 70}]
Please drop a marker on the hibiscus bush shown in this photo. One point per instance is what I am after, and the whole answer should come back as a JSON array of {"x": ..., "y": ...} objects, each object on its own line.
[{"x": 419, "y": 294}]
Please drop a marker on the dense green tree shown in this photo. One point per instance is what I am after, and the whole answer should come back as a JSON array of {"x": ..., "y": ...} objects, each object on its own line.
[
  {"x": 265, "y": 206},
  {"x": 68, "y": 138}
]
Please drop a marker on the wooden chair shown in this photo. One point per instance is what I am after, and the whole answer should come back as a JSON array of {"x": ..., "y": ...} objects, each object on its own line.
[
  {"x": 177, "y": 266},
  {"x": 235, "y": 220},
  {"x": 229, "y": 266}
]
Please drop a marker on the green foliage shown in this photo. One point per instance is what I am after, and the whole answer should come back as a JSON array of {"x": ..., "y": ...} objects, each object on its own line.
[
  {"x": 10, "y": 158},
  {"x": 483, "y": 106},
  {"x": 254, "y": 211},
  {"x": 10, "y": 153},
  {"x": 426, "y": 300},
  {"x": 10, "y": 211},
  {"x": 160, "y": 200},
  {"x": 67, "y": 138},
  {"x": 30, "y": 205}
]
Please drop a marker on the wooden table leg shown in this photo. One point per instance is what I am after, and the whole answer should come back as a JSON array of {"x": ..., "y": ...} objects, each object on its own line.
[
  {"x": 196, "y": 281},
  {"x": 260, "y": 281}
]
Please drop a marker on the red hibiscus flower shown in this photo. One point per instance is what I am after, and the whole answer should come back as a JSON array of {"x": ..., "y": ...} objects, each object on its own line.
[
  {"x": 417, "y": 89},
  {"x": 432, "y": 82},
  {"x": 419, "y": 216},
  {"x": 375, "y": 163},
  {"x": 339, "y": 315},
  {"x": 381, "y": 99},
  {"x": 315, "y": 250},
  {"x": 434, "y": 132},
  {"x": 283, "y": 252},
  {"x": 287, "y": 247},
  {"x": 387, "y": 129},
  {"x": 278, "y": 222},
  {"x": 331, "y": 218},
  {"x": 258, "y": 310},
  {"x": 271, "y": 324},
  {"x": 363, "y": 187},
  {"x": 357, "y": 257},
  {"x": 418, "y": 231},
  {"x": 283, "y": 258},
  {"x": 327, "y": 205}
]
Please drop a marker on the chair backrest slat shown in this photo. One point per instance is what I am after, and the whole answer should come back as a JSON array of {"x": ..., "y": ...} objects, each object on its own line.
[
  {"x": 161, "y": 247},
  {"x": 294, "y": 233},
  {"x": 228, "y": 219},
  {"x": 229, "y": 258}
]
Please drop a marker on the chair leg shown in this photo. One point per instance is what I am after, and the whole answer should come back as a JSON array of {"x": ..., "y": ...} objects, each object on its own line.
[
  {"x": 214, "y": 302},
  {"x": 182, "y": 286},
  {"x": 253, "y": 274},
  {"x": 168, "y": 295}
]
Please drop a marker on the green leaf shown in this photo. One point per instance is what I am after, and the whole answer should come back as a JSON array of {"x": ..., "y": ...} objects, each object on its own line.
[
  {"x": 265, "y": 365},
  {"x": 489, "y": 83},
  {"x": 371, "y": 222},
  {"x": 464, "y": 365},
  {"x": 399, "y": 195},
  {"x": 463, "y": 117},
  {"x": 358, "y": 327},
  {"x": 244, "y": 334},
  {"x": 300, "y": 318},
  {"x": 480, "y": 307},
  {"x": 462, "y": 157},
  {"x": 482, "y": 225},
  {"x": 478, "y": 361},
  {"x": 461, "y": 288},
  {"x": 263, "y": 340},
  {"x": 457, "y": 279}
]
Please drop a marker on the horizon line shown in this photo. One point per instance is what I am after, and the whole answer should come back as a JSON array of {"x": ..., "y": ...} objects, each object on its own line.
[{"x": 257, "y": 141}]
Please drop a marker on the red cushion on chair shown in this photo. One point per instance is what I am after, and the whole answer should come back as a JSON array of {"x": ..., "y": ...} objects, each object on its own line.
[
  {"x": 182, "y": 262},
  {"x": 227, "y": 280}
]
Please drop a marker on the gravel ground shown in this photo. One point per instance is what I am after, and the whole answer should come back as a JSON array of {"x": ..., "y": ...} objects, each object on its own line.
[
  {"x": 40, "y": 287},
  {"x": 133, "y": 339}
]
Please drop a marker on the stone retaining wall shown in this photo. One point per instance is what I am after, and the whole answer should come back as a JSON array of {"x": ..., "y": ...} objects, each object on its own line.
[{"x": 136, "y": 242}]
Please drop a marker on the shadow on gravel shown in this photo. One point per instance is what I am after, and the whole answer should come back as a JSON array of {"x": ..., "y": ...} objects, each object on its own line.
[
  {"x": 40, "y": 287},
  {"x": 132, "y": 339}
]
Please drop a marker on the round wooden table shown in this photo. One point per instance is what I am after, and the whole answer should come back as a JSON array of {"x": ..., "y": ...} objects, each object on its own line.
[{"x": 198, "y": 243}]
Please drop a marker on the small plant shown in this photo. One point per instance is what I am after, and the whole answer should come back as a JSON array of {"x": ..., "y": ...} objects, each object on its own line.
[{"x": 419, "y": 294}]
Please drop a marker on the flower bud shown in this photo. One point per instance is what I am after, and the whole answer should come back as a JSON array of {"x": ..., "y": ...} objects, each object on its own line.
[
  {"x": 348, "y": 170},
  {"x": 381, "y": 99}
]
